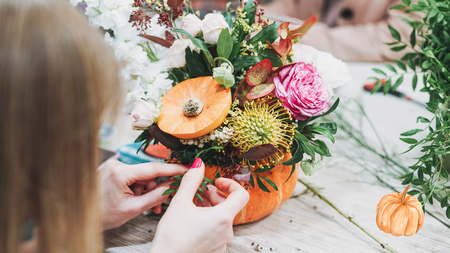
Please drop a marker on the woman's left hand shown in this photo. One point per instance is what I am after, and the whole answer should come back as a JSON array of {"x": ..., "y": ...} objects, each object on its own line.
[{"x": 122, "y": 193}]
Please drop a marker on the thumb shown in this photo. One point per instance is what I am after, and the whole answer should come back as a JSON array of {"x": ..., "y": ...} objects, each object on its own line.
[{"x": 191, "y": 181}]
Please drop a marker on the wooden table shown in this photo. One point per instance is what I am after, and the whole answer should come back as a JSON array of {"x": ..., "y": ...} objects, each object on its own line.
[{"x": 308, "y": 224}]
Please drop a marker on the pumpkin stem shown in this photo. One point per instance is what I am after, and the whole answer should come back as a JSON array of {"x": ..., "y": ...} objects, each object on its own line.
[
  {"x": 192, "y": 107},
  {"x": 404, "y": 194}
]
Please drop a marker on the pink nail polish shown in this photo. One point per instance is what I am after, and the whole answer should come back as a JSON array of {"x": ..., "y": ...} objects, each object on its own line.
[{"x": 197, "y": 163}]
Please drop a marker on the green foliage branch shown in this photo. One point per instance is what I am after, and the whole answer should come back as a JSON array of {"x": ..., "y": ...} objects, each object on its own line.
[{"x": 429, "y": 46}]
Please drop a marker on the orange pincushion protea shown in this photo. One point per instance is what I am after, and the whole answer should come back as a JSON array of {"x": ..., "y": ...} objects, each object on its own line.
[{"x": 194, "y": 107}]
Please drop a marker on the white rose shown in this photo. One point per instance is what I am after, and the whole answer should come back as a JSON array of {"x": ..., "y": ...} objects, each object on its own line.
[
  {"x": 144, "y": 114},
  {"x": 334, "y": 72},
  {"x": 212, "y": 25},
  {"x": 177, "y": 53},
  {"x": 191, "y": 24}
]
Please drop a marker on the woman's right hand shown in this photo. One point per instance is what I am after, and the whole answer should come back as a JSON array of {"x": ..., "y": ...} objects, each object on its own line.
[{"x": 188, "y": 228}]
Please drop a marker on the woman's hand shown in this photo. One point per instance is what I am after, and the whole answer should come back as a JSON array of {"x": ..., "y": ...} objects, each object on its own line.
[
  {"x": 122, "y": 194},
  {"x": 188, "y": 228}
]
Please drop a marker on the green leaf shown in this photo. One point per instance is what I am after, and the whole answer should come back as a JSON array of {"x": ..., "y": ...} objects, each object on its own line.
[
  {"x": 296, "y": 157},
  {"x": 447, "y": 213},
  {"x": 261, "y": 185},
  {"x": 407, "y": 2},
  {"x": 414, "y": 82},
  {"x": 250, "y": 8},
  {"x": 169, "y": 191},
  {"x": 320, "y": 147},
  {"x": 377, "y": 86},
  {"x": 268, "y": 33},
  {"x": 228, "y": 19},
  {"x": 391, "y": 43},
  {"x": 225, "y": 44},
  {"x": 411, "y": 64},
  {"x": 397, "y": 83},
  {"x": 412, "y": 38},
  {"x": 252, "y": 182},
  {"x": 444, "y": 174},
  {"x": 395, "y": 34},
  {"x": 195, "y": 64},
  {"x": 175, "y": 183},
  {"x": 332, "y": 108},
  {"x": 411, "y": 132},
  {"x": 272, "y": 56},
  {"x": 331, "y": 126},
  {"x": 198, "y": 43},
  {"x": 444, "y": 202},
  {"x": 387, "y": 87},
  {"x": 325, "y": 132},
  {"x": 408, "y": 179},
  {"x": 413, "y": 192},
  {"x": 398, "y": 6},
  {"x": 379, "y": 71},
  {"x": 199, "y": 197},
  {"x": 200, "y": 190},
  {"x": 409, "y": 140},
  {"x": 426, "y": 64},
  {"x": 422, "y": 120},
  {"x": 399, "y": 48},
  {"x": 274, "y": 186},
  {"x": 433, "y": 13},
  {"x": 292, "y": 172},
  {"x": 178, "y": 178},
  {"x": 400, "y": 64},
  {"x": 390, "y": 67},
  {"x": 243, "y": 61},
  {"x": 143, "y": 136}
]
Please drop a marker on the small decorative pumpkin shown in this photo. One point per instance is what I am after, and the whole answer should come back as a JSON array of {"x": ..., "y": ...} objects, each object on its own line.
[
  {"x": 400, "y": 214},
  {"x": 262, "y": 203},
  {"x": 194, "y": 107}
]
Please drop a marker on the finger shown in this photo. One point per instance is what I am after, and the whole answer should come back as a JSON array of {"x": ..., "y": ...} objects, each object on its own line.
[
  {"x": 151, "y": 185},
  {"x": 237, "y": 195},
  {"x": 137, "y": 189},
  {"x": 205, "y": 203},
  {"x": 150, "y": 199},
  {"x": 214, "y": 195},
  {"x": 190, "y": 182},
  {"x": 157, "y": 209},
  {"x": 146, "y": 171}
]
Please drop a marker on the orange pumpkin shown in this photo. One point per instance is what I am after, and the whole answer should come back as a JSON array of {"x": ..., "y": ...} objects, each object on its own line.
[
  {"x": 400, "y": 214},
  {"x": 194, "y": 107},
  {"x": 262, "y": 203}
]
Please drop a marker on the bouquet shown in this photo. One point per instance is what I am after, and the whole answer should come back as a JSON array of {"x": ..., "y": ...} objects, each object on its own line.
[{"x": 245, "y": 95}]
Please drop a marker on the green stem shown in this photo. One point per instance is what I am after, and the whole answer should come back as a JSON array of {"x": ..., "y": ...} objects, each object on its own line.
[
  {"x": 383, "y": 245},
  {"x": 226, "y": 60}
]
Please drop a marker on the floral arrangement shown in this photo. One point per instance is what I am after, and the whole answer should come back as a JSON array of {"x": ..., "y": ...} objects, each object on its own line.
[
  {"x": 428, "y": 54},
  {"x": 234, "y": 89}
]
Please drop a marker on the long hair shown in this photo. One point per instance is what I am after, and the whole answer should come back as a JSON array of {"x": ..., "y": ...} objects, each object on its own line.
[{"x": 57, "y": 77}]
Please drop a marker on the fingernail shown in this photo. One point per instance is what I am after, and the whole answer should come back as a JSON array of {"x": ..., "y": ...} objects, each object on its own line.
[
  {"x": 221, "y": 194},
  {"x": 197, "y": 163}
]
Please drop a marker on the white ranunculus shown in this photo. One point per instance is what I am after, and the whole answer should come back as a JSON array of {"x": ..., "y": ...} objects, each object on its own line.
[
  {"x": 144, "y": 114},
  {"x": 212, "y": 25},
  {"x": 334, "y": 72},
  {"x": 191, "y": 24},
  {"x": 177, "y": 53}
]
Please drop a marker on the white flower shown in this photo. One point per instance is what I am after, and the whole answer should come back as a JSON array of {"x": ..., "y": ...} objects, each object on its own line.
[
  {"x": 115, "y": 12},
  {"x": 75, "y": 2},
  {"x": 191, "y": 24},
  {"x": 144, "y": 114},
  {"x": 334, "y": 72},
  {"x": 177, "y": 53},
  {"x": 212, "y": 25},
  {"x": 134, "y": 55}
]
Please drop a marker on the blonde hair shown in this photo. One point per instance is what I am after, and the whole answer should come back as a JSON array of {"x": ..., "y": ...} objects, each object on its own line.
[{"x": 57, "y": 76}]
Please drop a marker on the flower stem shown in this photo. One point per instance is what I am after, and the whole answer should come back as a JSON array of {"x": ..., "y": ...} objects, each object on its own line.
[{"x": 383, "y": 245}]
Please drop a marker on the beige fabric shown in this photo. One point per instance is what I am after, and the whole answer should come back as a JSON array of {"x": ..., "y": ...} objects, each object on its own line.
[{"x": 359, "y": 38}]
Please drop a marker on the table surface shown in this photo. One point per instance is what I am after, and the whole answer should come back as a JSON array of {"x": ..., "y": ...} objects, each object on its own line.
[{"x": 306, "y": 223}]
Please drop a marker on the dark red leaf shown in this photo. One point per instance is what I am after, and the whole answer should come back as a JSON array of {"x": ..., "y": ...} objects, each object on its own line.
[
  {"x": 241, "y": 93},
  {"x": 259, "y": 73},
  {"x": 158, "y": 40},
  {"x": 260, "y": 91},
  {"x": 260, "y": 152},
  {"x": 165, "y": 139}
]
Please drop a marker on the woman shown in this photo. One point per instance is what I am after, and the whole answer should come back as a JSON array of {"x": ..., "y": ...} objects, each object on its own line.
[{"x": 58, "y": 81}]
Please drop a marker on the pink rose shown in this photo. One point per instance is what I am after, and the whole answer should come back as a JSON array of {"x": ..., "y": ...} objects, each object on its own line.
[{"x": 302, "y": 91}]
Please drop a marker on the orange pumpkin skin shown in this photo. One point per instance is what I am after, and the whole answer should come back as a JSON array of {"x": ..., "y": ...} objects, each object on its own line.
[
  {"x": 263, "y": 203},
  {"x": 216, "y": 105},
  {"x": 398, "y": 216}
]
